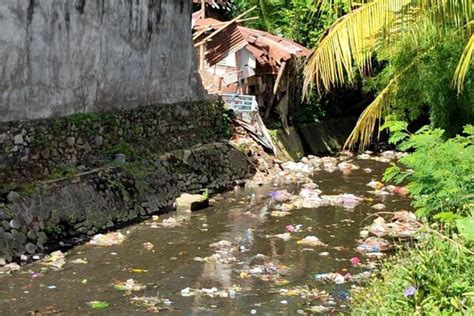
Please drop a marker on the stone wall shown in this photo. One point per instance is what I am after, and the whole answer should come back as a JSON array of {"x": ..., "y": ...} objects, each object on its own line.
[
  {"x": 98, "y": 200},
  {"x": 60, "y": 57},
  {"x": 43, "y": 149}
]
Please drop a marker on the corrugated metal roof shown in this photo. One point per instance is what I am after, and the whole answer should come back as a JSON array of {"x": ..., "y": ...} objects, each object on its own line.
[{"x": 269, "y": 50}]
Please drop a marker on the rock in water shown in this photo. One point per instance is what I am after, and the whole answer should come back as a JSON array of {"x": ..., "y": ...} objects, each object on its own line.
[{"x": 191, "y": 202}]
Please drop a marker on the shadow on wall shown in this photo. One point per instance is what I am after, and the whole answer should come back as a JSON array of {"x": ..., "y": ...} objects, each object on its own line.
[{"x": 315, "y": 138}]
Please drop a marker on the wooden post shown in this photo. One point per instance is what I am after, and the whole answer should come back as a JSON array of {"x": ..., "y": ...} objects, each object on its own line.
[
  {"x": 202, "y": 48},
  {"x": 203, "y": 9}
]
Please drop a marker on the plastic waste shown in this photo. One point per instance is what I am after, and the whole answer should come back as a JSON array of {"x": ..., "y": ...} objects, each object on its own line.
[
  {"x": 279, "y": 213},
  {"x": 148, "y": 246},
  {"x": 379, "y": 206},
  {"x": 311, "y": 241},
  {"x": 284, "y": 236},
  {"x": 373, "y": 244},
  {"x": 281, "y": 196},
  {"x": 98, "y": 304},
  {"x": 128, "y": 286},
  {"x": 109, "y": 239},
  {"x": 55, "y": 260}
]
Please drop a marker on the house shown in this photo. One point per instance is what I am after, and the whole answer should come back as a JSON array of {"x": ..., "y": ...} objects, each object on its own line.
[{"x": 241, "y": 60}]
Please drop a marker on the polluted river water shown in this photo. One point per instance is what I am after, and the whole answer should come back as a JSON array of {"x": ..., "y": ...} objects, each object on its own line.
[{"x": 232, "y": 258}]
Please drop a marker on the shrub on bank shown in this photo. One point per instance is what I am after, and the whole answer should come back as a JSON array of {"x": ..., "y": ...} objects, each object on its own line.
[
  {"x": 436, "y": 276},
  {"x": 439, "y": 171}
]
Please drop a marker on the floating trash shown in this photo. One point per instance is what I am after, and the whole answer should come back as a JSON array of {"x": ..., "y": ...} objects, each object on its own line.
[
  {"x": 80, "y": 261},
  {"x": 153, "y": 304},
  {"x": 336, "y": 278},
  {"x": 281, "y": 196},
  {"x": 128, "y": 286},
  {"x": 98, "y": 304},
  {"x": 373, "y": 244},
  {"x": 212, "y": 292},
  {"x": 375, "y": 185},
  {"x": 110, "y": 239},
  {"x": 403, "y": 224},
  {"x": 173, "y": 222},
  {"x": 148, "y": 246},
  {"x": 9, "y": 268},
  {"x": 305, "y": 292},
  {"x": 284, "y": 236},
  {"x": 279, "y": 213},
  {"x": 311, "y": 241},
  {"x": 55, "y": 260},
  {"x": 379, "y": 206}
]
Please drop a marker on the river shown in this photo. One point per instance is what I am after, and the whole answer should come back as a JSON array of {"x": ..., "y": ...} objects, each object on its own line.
[{"x": 265, "y": 275}]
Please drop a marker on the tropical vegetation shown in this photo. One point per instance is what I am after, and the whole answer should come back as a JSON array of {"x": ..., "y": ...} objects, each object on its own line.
[
  {"x": 401, "y": 35},
  {"x": 436, "y": 275}
]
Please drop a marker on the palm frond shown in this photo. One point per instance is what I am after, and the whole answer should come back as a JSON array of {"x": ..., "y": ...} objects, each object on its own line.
[
  {"x": 457, "y": 12},
  {"x": 464, "y": 65},
  {"x": 363, "y": 132},
  {"x": 349, "y": 44}
]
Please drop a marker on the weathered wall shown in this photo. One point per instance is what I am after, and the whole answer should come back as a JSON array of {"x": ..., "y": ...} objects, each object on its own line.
[
  {"x": 61, "y": 57},
  {"x": 327, "y": 136},
  {"x": 99, "y": 200}
]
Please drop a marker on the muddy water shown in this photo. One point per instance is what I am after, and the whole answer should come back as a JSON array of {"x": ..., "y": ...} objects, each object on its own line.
[{"x": 236, "y": 217}]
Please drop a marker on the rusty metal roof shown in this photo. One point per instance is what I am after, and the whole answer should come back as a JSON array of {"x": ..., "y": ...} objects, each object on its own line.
[{"x": 269, "y": 50}]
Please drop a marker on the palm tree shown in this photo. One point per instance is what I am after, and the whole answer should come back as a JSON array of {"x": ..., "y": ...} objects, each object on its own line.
[{"x": 348, "y": 47}]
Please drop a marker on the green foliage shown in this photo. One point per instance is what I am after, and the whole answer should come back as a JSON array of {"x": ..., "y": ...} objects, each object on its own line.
[
  {"x": 466, "y": 227},
  {"x": 426, "y": 63},
  {"x": 440, "y": 172},
  {"x": 441, "y": 272},
  {"x": 62, "y": 171},
  {"x": 122, "y": 147},
  {"x": 300, "y": 20}
]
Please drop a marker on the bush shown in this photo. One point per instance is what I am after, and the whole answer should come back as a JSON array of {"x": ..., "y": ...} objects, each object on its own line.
[
  {"x": 436, "y": 277},
  {"x": 440, "y": 172}
]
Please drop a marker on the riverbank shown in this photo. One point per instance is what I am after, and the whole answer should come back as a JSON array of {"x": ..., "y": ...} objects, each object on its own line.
[{"x": 67, "y": 210}]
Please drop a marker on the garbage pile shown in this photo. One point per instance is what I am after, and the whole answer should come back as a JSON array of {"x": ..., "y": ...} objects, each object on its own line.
[
  {"x": 110, "y": 239},
  {"x": 266, "y": 270},
  {"x": 153, "y": 304},
  {"x": 312, "y": 198},
  {"x": 402, "y": 225},
  {"x": 224, "y": 253},
  {"x": 381, "y": 189},
  {"x": 212, "y": 292}
]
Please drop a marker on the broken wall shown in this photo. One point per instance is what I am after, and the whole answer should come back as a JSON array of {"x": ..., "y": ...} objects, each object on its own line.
[{"x": 63, "y": 57}]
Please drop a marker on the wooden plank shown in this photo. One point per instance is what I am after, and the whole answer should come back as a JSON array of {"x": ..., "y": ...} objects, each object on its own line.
[
  {"x": 278, "y": 79},
  {"x": 223, "y": 23}
]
